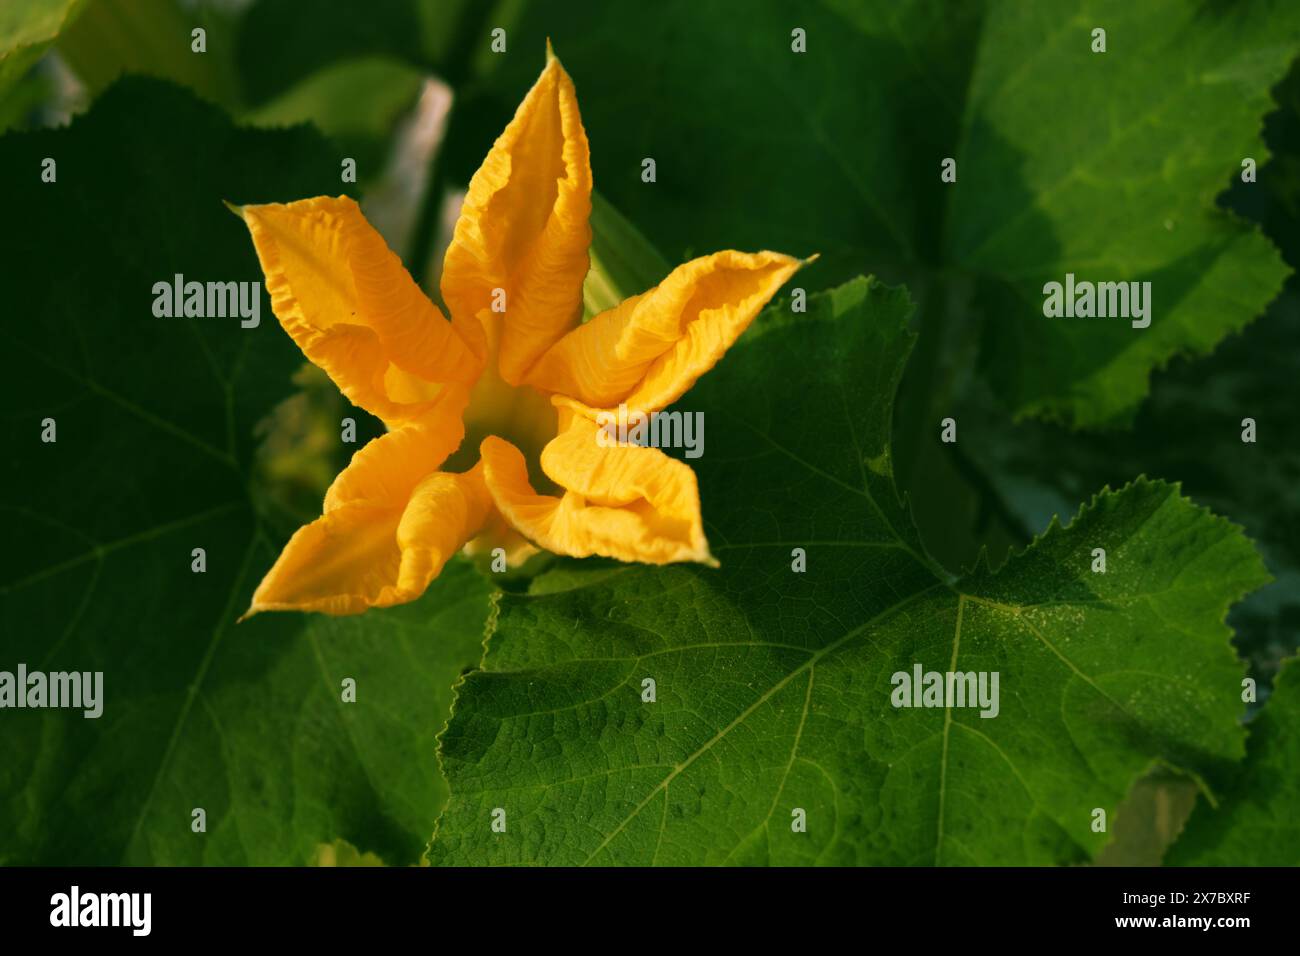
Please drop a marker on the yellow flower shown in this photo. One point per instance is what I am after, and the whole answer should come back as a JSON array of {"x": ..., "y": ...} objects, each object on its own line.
[{"x": 492, "y": 434}]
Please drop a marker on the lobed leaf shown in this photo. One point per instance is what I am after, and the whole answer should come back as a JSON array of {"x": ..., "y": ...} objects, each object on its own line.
[{"x": 773, "y": 687}]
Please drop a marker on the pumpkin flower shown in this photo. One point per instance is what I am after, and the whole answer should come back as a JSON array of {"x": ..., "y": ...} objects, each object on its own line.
[{"x": 492, "y": 416}]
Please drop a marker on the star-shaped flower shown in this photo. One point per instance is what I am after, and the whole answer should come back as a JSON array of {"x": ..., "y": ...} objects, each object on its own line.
[{"x": 492, "y": 417}]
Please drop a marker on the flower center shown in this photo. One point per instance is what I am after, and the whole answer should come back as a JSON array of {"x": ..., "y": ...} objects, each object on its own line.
[{"x": 521, "y": 415}]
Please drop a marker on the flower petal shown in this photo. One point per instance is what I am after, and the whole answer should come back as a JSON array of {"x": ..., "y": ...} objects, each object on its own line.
[
  {"x": 650, "y": 349},
  {"x": 391, "y": 521},
  {"x": 524, "y": 229},
  {"x": 624, "y": 502},
  {"x": 349, "y": 304},
  {"x": 388, "y": 468}
]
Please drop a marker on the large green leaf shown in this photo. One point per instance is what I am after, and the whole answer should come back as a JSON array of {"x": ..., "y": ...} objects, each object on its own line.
[
  {"x": 1106, "y": 165},
  {"x": 1256, "y": 821},
  {"x": 1118, "y": 179},
  {"x": 1191, "y": 427},
  {"x": 155, "y": 435},
  {"x": 773, "y": 686},
  {"x": 1190, "y": 430}
]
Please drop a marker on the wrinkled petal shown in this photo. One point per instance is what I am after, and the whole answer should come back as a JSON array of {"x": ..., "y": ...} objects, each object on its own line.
[
  {"x": 388, "y": 468},
  {"x": 446, "y": 511},
  {"x": 524, "y": 229},
  {"x": 390, "y": 524},
  {"x": 347, "y": 301},
  {"x": 649, "y": 350},
  {"x": 624, "y": 502}
]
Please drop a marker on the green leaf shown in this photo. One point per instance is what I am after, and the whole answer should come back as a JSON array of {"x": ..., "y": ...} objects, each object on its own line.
[
  {"x": 155, "y": 423},
  {"x": 1068, "y": 160},
  {"x": 773, "y": 688},
  {"x": 1190, "y": 430},
  {"x": 1119, "y": 186},
  {"x": 154, "y": 38},
  {"x": 1255, "y": 822},
  {"x": 1191, "y": 426},
  {"x": 357, "y": 103},
  {"x": 27, "y": 28},
  {"x": 623, "y": 262},
  {"x": 281, "y": 42}
]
